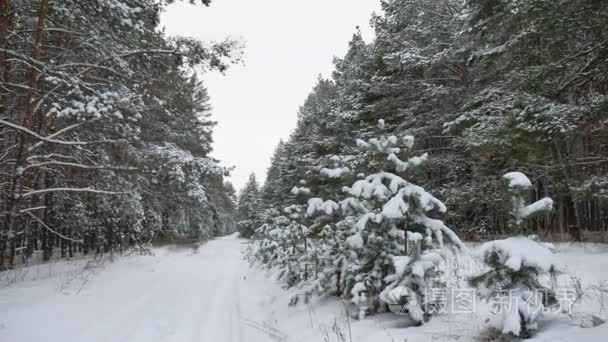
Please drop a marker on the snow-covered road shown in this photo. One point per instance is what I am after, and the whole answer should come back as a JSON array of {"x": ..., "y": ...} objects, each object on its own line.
[{"x": 180, "y": 296}]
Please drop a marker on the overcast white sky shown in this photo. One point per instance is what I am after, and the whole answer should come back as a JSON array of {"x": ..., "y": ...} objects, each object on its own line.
[{"x": 288, "y": 44}]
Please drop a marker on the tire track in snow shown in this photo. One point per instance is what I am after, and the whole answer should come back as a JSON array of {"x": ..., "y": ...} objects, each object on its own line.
[
  {"x": 219, "y": 324},
  {"x": 237, "y": 317}
]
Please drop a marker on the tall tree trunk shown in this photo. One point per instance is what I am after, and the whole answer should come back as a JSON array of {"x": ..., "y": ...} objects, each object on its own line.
[
  {"x": 27, "y": 122},
  {"x": 565, "y": 168},
  {"x": 30, "y": 104},
  {"x": 5, "y": 73},
  {"x": 5, "y": 65}
]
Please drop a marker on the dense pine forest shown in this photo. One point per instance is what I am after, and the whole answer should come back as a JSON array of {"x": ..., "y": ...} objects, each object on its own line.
[
  {"x": 486, "y": 87},
  {"x": 105, "y": 132}
]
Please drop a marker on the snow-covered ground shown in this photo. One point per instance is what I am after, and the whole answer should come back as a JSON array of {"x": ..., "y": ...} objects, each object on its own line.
[
  {"x": 177, "y": 295},
  {"x": 214, "y": 296}
]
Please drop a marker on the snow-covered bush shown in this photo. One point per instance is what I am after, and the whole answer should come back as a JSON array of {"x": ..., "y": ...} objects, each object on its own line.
[
  {"x": 513, "y": 283},
  {"x": 515, "y": 265}
]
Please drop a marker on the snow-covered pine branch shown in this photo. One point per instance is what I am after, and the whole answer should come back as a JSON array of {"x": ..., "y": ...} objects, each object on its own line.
[{"x": 335, "y": 173}]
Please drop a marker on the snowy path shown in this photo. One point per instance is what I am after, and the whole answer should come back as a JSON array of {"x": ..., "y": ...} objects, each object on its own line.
[{"x": 179, "y": 296}]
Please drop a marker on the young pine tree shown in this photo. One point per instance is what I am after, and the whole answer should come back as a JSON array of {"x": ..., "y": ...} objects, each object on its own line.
[
  {"x": 364, "y": 253},
  {"x": 515, "y": 266}
]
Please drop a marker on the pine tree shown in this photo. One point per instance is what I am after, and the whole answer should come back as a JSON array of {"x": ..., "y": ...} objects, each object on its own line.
[
  {"x": 249, "y": 207},
  {"x": 359, "y": 249},
  {"x": 274, "y": 178}
]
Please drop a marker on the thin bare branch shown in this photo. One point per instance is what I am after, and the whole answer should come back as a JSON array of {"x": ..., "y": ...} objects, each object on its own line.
[
  {"x": 88, "y": 190},
  {"x": 32, "y": 209},
  {"x": 79, "y": 166}
]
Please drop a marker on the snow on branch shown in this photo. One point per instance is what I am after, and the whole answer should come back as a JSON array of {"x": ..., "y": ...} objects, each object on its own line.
[
  {"x": 52, "y": 230},
  {"x": 384, "y": 144},
  {"x": 335, "y": 173},
  {"x": 542, "y": 205},
  {"x": 350, "y": 205},
  {"x": 49, "y": 156},
  {"x": 427, "y": 201},
  {"x": 150, "y": 51},
  {"x": 300, "y": 190},
  {"x": 412, "y": 162},
  {"x": 317, "y": 205},
  {"x": 50, "y": 140},
  {"x": 89, "y": 190},
  {"x": 373, "y": 185},
  {"x": 22, "y": 211},
  {"x": 519, "y": 185},
  {"x": 76, "y": 165},
  {"x": 92, "y": 66},
  {"x": 61, "y": 131},
  {"x": 24, "y": 58},
  {"x": 395, "y": 208},
  {"x": 517, "y": 180}
]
